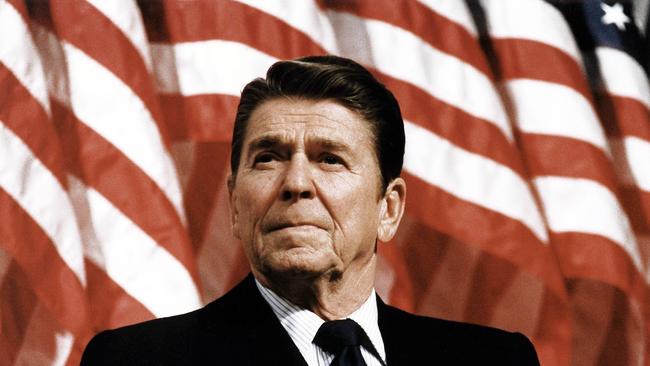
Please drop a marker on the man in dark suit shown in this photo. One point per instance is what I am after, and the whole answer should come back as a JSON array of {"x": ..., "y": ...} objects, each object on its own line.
[{"x": 316, "y": 156}]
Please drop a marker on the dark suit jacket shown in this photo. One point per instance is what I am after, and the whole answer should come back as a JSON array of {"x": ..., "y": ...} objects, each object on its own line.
[{"x": 241, "y": 329}]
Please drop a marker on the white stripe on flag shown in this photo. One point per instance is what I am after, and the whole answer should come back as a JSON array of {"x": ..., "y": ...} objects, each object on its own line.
[
  {"x": 63, "y": 343},
  {"x": 108, "y": 106},
  {"x": 584, "y": 206},
  {"x": 552, "y": 109},
  {"x": 125, "y": 14},
  {"x": 44, "y": 342},
  {"x": 454, "y": 10},
  {"x": 383, "y": 41},
  {"x": 41, "y": 195},
  {"x": 18, "y": 53},
  {"x": 134, "y": 260},
  {"x": 519, "y": 19},
  {"x": 622, "y": 75},
  {"x": 51, "y": 52},
  {"x": 303, "y": 15},
  {"x": 426, "y": 67},
  {"x": 471, "y": 177},
  {"x": 638, "y": 155},
  {"x": 207, "y": 67}
]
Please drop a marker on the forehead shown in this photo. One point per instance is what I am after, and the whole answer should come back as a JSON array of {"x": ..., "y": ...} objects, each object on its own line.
[{"x": 323, "y": 120}]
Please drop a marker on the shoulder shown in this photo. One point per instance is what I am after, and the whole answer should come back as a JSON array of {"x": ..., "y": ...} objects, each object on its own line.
[
  {"x": 175, "y": 339},
  {"x": 142, "y": 342},
  {"x": 451, "y": 342}
]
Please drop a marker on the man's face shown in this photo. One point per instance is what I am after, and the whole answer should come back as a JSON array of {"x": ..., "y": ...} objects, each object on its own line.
[{"x": 307, "y": 199}]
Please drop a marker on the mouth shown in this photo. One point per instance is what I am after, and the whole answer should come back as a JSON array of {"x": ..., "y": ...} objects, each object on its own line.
[{"x": 299, "y": 226}]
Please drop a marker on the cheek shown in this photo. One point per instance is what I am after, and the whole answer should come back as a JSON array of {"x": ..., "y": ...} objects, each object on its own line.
[
  {"x": 256, "y": 195},
  {"x": 338, "y": 186},
  {"x": 250, "y": 212},
  {"x": 353, "y": 205}
]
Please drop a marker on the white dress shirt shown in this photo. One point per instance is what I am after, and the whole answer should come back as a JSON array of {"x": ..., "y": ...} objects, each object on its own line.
[{"x": 302, "y": 325}]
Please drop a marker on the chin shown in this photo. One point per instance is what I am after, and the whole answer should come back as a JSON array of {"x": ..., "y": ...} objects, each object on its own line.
[{"x": 298, "y": 267}]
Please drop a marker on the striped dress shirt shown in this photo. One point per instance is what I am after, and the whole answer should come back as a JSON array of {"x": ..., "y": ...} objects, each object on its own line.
[{"x": 302, "y": 325}]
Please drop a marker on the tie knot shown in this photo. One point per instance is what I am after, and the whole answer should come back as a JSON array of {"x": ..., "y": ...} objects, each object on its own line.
[{"x": 334, "y": 335}]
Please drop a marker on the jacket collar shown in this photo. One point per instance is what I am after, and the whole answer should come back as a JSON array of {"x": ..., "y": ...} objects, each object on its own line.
[
  {"x": 393, "y": 334},
  {"x": 268, "y": 342}
]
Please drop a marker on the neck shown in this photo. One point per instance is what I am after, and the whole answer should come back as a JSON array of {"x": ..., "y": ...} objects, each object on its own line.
[{"x": 329, "y": 295}]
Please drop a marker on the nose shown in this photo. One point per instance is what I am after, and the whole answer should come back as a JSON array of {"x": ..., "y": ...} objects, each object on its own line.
[{"x": 298, "y": 182}]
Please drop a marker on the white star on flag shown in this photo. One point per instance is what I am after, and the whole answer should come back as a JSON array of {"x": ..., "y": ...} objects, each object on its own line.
[{"x": 614, "y": 15}]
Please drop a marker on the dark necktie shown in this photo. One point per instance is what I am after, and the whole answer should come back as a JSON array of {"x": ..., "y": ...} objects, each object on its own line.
[{"x": 343, "y": 339}]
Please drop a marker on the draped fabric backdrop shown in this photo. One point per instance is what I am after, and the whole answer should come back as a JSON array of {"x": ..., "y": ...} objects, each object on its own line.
[{"x": 527, "y": 162}]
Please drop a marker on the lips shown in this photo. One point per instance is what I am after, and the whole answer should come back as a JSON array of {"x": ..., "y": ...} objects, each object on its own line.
[{"x": 285, "y": 225}]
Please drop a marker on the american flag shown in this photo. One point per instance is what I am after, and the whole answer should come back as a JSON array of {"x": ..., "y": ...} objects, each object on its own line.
[{"x": 527, "y": 162}]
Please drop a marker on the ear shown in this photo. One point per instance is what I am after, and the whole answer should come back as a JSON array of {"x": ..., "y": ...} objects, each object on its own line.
[
  {"x": 234, "y": 214},
  {"x": 392, "y": 209}
]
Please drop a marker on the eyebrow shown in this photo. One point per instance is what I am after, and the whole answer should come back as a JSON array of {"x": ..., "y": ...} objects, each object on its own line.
[
  {"x": 329, "y": 144},
  {"x": 265, "y": 142}
]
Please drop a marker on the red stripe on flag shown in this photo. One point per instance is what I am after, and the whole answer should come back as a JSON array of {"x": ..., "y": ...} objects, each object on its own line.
[
  {"x": 618, "y": 336},
  {"x": 206, "y": 20},
  {"x": 628, "y": 117},
  {"x": 430, "y": 255},
  {"x": 421, "y": 249},
  {"x": 52, "y": 280},
  {"x": 520, "y": 59},
  {"x": 402, "y": 293},
  {"x": 82, "y": 25},
  {"x": 211, "y": 164},
  {"x": 553, "y": 338},
  {"x": 111, "y": 306},
  {"x": 413, "y": 16},
  {"x": 105, "y": 168},
  {"x": 492, "y": 232},
  {"x": 26, "y": 118},
  {"x": 462, "y": 129},
  {"x": 17, "y": 302},
  {"x": 20, "y": 7},
  {"x": 589, "y": 256},
  {"x": 491, "y": 278},
  {"x": 205, "y": 117},
  {"x": 637, "y": 205},
  {"x": 623, "y": 116},
  {"x": 567, "y": 157}
]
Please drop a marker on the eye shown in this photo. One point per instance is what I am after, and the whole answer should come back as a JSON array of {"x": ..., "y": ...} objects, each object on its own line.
[
  {"x": 264, "y": 157},
  {"x": 330, "y": 159}
]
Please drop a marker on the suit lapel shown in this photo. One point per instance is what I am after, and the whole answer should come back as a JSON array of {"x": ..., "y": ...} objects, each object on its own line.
[
  {"x": 270, "y": 343},
  {"x": 409, "y": 339},
  {"x": 395, "y": 340}
]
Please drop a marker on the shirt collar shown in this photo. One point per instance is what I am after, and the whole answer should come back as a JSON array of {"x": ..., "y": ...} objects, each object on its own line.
[{"x": 302, "y": 324}]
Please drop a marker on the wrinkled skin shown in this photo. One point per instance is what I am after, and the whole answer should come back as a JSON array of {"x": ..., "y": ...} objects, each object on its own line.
[{"x": 308, "y": 205}]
